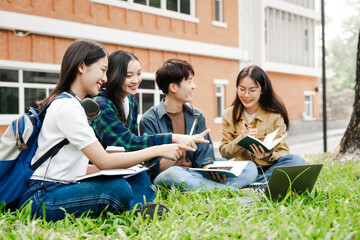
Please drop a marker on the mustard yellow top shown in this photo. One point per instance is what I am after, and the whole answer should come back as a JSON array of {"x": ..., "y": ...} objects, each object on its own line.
[{"x": 266, "y": 122}]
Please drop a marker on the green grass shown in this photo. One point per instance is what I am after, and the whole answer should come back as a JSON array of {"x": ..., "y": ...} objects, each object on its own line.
[{"x": 331, "y": 211}]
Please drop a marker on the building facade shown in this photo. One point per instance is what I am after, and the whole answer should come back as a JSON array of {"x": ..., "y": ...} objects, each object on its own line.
[{"x": 218, "y": 37}]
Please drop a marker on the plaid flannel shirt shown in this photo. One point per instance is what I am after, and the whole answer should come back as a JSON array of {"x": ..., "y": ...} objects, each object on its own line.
[{"x": 112, "y": 132}]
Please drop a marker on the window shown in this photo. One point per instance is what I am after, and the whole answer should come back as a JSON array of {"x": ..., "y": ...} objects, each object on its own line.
[
  {"x": 218, "y": 10},
  {"x": 151, "y": 3},
  {"x": 148, "y": 94},
  {"x": 178, "y": 9},
  {"x": 9, "y": 94},
  {"x": 218, "y": 14},
  {"x": 308, "y": 105},
  {"x": 220, "y": 98},
  {"x": 181, "y": 6},
  {"x": 20, "y": 89}
]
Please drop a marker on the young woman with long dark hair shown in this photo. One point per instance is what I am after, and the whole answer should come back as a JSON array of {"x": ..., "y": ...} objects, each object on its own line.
[{"x": 256, "y": 111}]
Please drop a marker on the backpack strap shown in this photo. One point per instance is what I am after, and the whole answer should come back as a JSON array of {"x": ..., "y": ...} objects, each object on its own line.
[
  {"x": 55, "y": 149},
  {"x": 52, "y": 152}
]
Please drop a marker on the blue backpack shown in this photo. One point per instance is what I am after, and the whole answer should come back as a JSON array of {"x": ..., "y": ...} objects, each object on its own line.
[{"x": 18, "y": 145}]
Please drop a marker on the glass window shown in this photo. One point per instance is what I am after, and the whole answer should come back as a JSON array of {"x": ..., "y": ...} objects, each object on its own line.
[
  {"x": 218, "y": 10},
  {"x": 36, "y": 86},
  {"x": 147, "y": 84},
  {"x": 171, "y": 5},
  {"x": 220, "y": 100},
  {"x": 147, "y": 101},
  {"x": 140, "y": 1},
  {"x": 152, "y": 3},
  {"x": 182, "y": 6},
  {"x": 308, "y": 107},
  {"x": 148, "y": 95},
  {"x": 9, "y": 100},
  {"x": 185, "y": 6},
  {"x": 40, "y": 77},
  {"x": 32, "y": 95},
  {"x": 218, "y": 109},
  {"x": 8, "y": 75},
  {"x": 155, "y": 3}
]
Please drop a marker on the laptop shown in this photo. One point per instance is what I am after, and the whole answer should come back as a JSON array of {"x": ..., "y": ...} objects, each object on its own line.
[{"x": 301, "y": 178}]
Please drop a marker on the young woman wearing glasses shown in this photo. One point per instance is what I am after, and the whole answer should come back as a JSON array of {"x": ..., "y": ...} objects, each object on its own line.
[{"x": 256, "y": 111}]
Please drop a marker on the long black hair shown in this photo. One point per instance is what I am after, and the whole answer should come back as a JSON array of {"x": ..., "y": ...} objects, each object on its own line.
[
  {"x": 116, "y": 75},
  {"x": 80, "y": 51},
  {"x": 269, "y": 100}
]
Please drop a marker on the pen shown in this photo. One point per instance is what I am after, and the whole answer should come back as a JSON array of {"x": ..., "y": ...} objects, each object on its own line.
[
  {"x": 246, "y": 125},
  {"x": 192, "y": 127},
  {"x": 197, "y": 114}
]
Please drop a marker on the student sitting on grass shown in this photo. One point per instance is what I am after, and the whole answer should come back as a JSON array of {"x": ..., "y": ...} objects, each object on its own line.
[
  {"x": 52, "y": 189},
  {"x": 117, "y": 124},
  {"x": 256, "y": 111},
  {"x": 176, "y": 79}
]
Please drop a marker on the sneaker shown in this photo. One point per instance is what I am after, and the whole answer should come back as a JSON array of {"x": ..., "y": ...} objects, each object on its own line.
[
  {"x": 258, "y": 187},
  {"x": 150, "y": 209}
]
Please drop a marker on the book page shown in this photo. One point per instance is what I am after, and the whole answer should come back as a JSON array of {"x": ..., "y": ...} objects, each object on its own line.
[
  {"x": 230, "y": 168},
  {"x": 276, "y": 141},
  {"x": 236, "y": 167},
  {"x": 269, "y": 139},
  {"x": 113, "y": 172}
]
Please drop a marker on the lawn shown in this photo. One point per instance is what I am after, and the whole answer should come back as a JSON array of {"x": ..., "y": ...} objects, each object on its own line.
[{"x": 331, "y": 211}]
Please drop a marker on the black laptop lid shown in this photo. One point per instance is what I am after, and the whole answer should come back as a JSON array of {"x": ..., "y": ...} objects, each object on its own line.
[{"x": 301, "y": 178}]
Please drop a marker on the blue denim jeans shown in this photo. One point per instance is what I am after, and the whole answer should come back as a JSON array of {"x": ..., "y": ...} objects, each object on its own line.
[
  {"x": 264, "y": 172},
  {"x": 191, "y": 180},
  {"x": 93, "y": 195}
]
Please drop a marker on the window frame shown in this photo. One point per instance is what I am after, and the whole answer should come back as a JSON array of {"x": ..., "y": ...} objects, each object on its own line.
[
  {"x": 6, "y": 119},
  {"x": 220, "y": 83},
  {"x": 219, "y": 22},
  {"x": 162, "y": 11},
  {"x": 20, "y": 67},
  {"x": 310, "y": 103},
  {"x": 156, "y": 91}
]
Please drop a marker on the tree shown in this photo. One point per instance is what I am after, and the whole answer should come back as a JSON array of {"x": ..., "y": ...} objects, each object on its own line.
[{"x": 349, "y": 147}]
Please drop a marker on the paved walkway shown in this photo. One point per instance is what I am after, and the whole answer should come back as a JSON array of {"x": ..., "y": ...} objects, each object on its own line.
[{"x": 308, "y": 143}]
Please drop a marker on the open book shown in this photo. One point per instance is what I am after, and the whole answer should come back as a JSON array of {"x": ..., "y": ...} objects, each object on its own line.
[
  {"x": 124, "y": 172},
  {"x": 231, "y": 169},
  {"x": 268, "y": 143}
]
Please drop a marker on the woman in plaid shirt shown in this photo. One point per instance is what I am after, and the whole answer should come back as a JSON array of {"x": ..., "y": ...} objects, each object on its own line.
[{"x": 117, "y": 124}]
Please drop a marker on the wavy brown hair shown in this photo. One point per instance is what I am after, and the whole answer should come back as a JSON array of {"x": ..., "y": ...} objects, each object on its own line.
[
  {"x": 80, "y": 51},
  {"x": 269, "y": 100}
]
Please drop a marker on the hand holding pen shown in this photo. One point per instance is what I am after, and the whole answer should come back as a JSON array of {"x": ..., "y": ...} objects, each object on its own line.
[{"x": 248, "y": 130}]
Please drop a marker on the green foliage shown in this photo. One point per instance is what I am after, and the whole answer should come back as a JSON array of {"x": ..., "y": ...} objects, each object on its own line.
[
  {"x": 331, "y": 211},
  {"x": 341, "y": 52}
]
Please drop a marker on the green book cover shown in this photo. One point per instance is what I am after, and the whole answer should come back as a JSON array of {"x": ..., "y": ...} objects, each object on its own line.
[{"x": 268, "y": 144}]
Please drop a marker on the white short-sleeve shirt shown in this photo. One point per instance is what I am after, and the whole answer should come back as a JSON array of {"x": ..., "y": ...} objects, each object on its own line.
[{"x": 65, "y": 118}]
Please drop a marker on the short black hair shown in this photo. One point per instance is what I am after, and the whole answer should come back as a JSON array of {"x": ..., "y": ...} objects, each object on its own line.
[{"x": 173, "y": 71}]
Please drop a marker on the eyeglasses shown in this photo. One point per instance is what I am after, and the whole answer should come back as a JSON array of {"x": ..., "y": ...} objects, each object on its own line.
[{"x": 251, "y": 92}]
